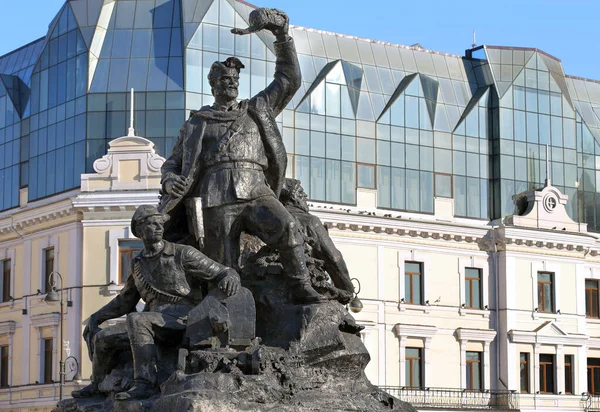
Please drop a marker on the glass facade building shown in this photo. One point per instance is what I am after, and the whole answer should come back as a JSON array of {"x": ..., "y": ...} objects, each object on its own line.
[{"x": 410, "y": 123}]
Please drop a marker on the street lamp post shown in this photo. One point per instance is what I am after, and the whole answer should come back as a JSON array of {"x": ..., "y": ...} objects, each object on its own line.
[{"x": 53, "y": 297}]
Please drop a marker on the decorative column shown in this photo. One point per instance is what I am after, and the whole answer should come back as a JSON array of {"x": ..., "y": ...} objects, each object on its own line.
[
  {"x": 559, "y": 370},
  {"x": 581, "y": 370},
  {"x": 536, "y": 367},
  {"x": 487, "y": 372},
  {"x": 463, "y": 364},
  {"x": 427, "y": 367},
  {"x": 402, "y": 357}
]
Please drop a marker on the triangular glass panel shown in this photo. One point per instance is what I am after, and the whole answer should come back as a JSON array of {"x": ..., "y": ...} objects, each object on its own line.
[
  {"x": 473, "y": 103},
  {"x": 502, "y": 87},
  {"x": 365, "y": 110},
  {"x": 531, "y": 62},
  {"x": 336, "y": 74},
  {"x": 399, "y": 90},
  {"x": 17, "y": 91},
  {"x": 193, "y": 12},
  {"x": 354, "y": 98},
  {"x": 430, "y": 92},
  {"x": 441, "y": 120},
  {"x": 354, "y": 75},
  {"x": 80, "y": 11},
  {"x": 378, "y": 104},
  {"x": 87, "y": 33},
  {"x": 493, "y": 55},
  {"x": 453, "y": 116},
  {"x": 319, "y": 79},
  {"x": 297, "y": 99},
  {"x": 597, "y": 111},
  {"x": 558, "y": 76}
]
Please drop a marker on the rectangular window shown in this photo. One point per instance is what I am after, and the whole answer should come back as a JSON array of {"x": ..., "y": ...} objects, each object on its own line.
[
  {"x": 443, "y": 185},
  {"x": 4, "y": 366},
  {"x": 569, "y": 374},
  {"x": 127, "y": 251},
  {"x": 593, "y": 375},
  {"x": 48, "y": 266},
  {"x": 47, "y": 361},
  {"x": 474, "y": 373},
  {"x": 591, "y": 298},
  {"x": 414, "y": 368},
  {"x": 6, "y": 269},
  {"x": 524, "y": 371},
  {"x": 473, "y": 288},
  {"x": 413, "y": 283},
  {"x": 545, "y": 292},
  {"x": 547, "y": 374}
]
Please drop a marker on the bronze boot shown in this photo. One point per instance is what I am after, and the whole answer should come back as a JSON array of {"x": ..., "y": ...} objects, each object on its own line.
[{"x": 294, "y": 267}]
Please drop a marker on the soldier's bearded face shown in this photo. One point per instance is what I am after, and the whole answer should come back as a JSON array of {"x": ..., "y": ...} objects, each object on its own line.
[
  {"x": 301, "y": 199},
  {"x": 226, "y": 86},
  {"x": 152, "y": 229}
]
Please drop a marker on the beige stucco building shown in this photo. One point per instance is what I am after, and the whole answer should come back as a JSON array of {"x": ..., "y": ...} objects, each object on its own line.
[{"x": 507, "y": 309}]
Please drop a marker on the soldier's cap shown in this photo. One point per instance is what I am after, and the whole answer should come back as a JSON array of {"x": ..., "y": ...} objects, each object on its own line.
[
  {"x": 290, "y": 189},
  {"x": 142, "y": 213},
  {"x": 218, "y": 67}
]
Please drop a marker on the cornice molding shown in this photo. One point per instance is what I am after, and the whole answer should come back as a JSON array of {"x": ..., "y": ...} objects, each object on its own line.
[
  {"x": 34, "y": 215},
  {"x": 8, "y": 327},
  {"x": 485, "y": 237},
  {"x": 404, "y": 330},
  {"x": 45, "y": 319},
  {"x": 114, "y": 201},
  {"x": 475, "y": 335}
]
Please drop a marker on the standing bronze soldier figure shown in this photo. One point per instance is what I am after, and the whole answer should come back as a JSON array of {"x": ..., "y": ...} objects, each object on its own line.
[{"x": 231, "y": 156}]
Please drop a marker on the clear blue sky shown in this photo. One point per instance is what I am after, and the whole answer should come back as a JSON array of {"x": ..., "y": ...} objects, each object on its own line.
[{"x": 565, "y": 29}]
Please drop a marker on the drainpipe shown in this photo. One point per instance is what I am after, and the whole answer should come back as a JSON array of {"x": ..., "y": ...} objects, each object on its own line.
[{"x": 497, "y": 320}]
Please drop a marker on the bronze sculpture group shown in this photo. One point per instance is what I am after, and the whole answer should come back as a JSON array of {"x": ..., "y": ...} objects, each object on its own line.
[{"x": 225, "y": 177}]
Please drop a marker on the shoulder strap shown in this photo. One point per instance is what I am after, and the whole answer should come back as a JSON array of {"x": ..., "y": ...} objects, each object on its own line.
[
  {"x": 162, "y": 296},
  {"x": 234, "y": 128}
]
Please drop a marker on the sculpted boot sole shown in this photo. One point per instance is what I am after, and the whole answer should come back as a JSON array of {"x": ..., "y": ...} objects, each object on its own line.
[
  {"x": 306, "y": 294},
  {"x": 140, "y": 390}
]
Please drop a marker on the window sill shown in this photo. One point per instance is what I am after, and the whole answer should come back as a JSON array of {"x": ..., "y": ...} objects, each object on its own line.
[
  {"x": 595, "y": 321},
  {"x": 471, "y": 311},
  {"x": 415, "y": 308},
  {"x": 545, "y": 315}
]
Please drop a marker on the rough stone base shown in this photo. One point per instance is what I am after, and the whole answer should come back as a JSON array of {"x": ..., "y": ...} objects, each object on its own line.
[
  {"x": 322, "y": 369},
  {"x": 227, "y": 392}
]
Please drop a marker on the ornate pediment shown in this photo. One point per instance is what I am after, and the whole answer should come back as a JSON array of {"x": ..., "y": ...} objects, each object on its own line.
[
  {"x": 548, "y": 333},
  {"x": 544, "y": 209},
  {"x": 130, "y": 164}
]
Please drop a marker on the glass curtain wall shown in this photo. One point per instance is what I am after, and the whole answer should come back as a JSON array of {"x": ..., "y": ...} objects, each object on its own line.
[{"x": 408, "y": 123}]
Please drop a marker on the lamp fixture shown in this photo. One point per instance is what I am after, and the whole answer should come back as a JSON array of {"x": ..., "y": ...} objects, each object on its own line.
[{"x": 355, "y": 304}]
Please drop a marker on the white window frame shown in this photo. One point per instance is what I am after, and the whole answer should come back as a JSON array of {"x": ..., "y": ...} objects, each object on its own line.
[
  {"x": 43, "y": 244},
  {"x": 114, "y": 237},
  {"x": 39, "y": 322},
  {"x": 424, "y": 332},
  {"x": 544, "y": 266},
  {"x": 8, "y": 329},
  {"x": 480, "y": 263},
  {"x": 412, "y": 256},
  {"x": 484, "y": 336},
  {"x": 10, "y": 254}
]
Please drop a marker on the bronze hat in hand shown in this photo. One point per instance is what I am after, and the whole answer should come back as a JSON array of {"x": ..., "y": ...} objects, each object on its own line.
[{"x": 263, "y": 18}]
